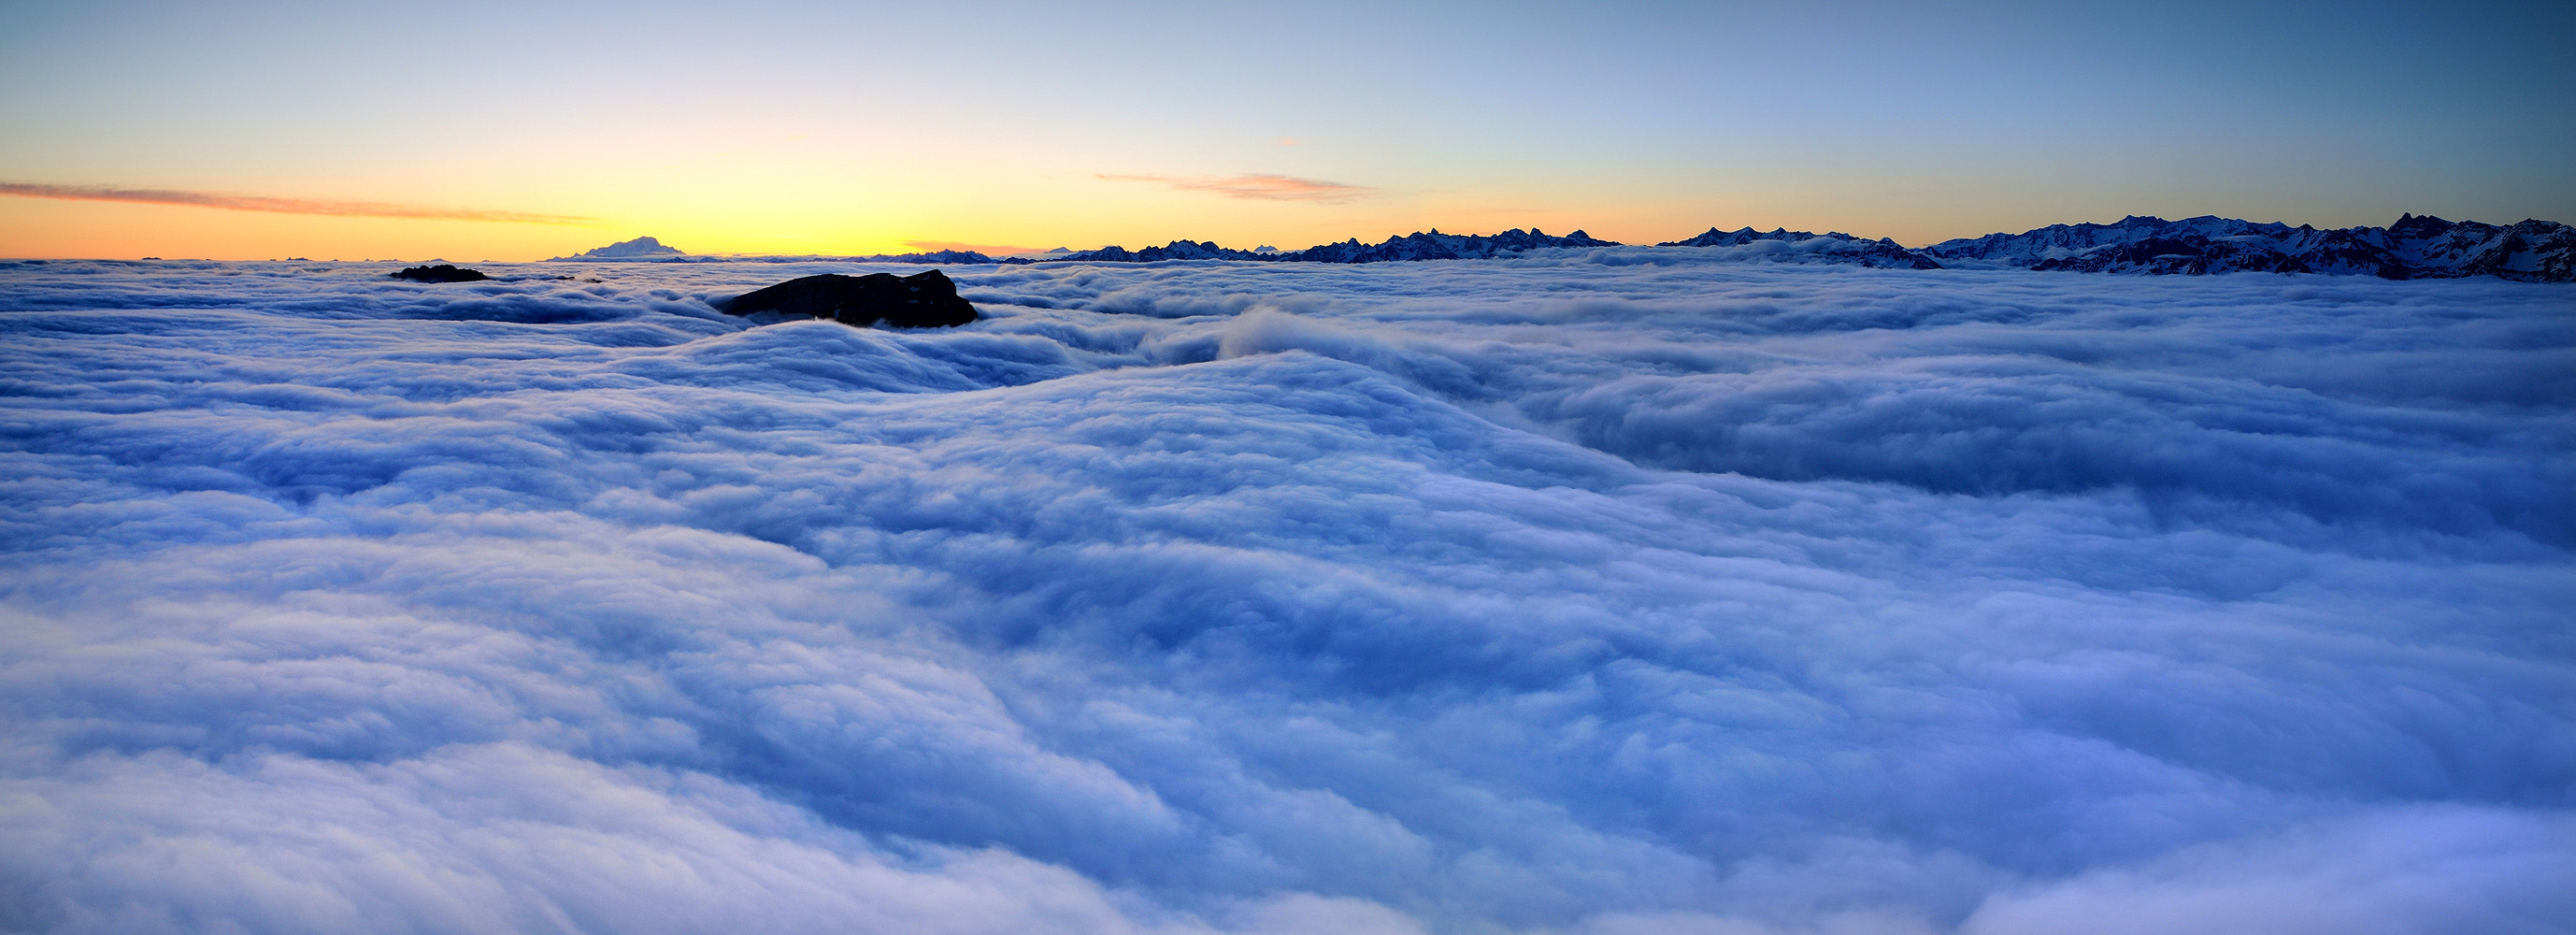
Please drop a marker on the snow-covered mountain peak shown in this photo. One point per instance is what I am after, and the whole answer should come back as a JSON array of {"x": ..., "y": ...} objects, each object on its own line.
[{"x": 640, "y": 248}]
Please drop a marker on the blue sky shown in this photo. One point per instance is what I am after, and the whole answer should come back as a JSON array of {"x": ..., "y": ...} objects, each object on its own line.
[{"x": 777, "y": 129}]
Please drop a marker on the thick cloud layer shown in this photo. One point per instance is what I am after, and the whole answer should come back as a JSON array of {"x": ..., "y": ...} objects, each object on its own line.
[{"x": 1605, "y": 592}]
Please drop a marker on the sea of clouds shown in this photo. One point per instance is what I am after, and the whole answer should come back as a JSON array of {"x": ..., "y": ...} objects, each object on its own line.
[{"x": 1609, "y": 592}]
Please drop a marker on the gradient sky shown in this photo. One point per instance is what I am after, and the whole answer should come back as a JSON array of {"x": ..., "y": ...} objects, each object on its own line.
[{"x": 496, "y": 132}]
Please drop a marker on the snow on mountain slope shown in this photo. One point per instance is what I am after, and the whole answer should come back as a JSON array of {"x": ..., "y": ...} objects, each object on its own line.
[
  {"x": 1831, "y": 246},
  {"x": 2413, "y": 248}
]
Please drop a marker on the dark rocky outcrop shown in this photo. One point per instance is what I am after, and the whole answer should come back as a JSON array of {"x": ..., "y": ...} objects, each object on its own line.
[
  {"x": 922, "y": 300},
  {"x": 443, "y": 272}
]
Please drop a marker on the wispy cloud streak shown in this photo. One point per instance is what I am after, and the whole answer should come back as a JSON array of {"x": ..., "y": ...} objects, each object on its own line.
[
  {"x": 374, "y": 209},
  {"x": 1260, "y": 187}
]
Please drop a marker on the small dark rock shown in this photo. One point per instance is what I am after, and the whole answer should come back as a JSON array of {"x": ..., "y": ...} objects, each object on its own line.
[
  {"x": 441, "y": 273},
  {"x": 922, "y": 300}
]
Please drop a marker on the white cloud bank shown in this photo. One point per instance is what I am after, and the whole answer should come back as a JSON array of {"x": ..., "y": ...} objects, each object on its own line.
[{"x": 1540, "y": 595}]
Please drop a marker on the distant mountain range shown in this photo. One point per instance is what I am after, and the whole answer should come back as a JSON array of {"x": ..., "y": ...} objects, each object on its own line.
[
  {"x": 1433, "y": 245},
  {"x": 2413, "y": 248},
  {"x": 2416, "y": 247},
  {"x": 1828, "y": 247}
]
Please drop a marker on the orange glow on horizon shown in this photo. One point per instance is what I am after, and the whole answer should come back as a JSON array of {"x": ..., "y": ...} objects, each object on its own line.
[{"x": 799, "y": 210}]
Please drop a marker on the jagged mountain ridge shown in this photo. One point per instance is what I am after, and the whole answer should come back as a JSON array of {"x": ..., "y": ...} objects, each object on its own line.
[
  {"x": 1832, "y": 246},
  {"x": 1431, "y": 245},
  {"x": 2416, "y": 247}
]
